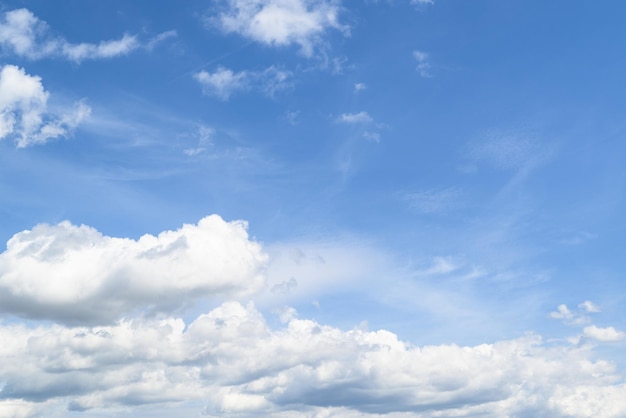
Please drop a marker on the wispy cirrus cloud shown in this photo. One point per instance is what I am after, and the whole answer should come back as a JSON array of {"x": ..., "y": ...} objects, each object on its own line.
[
  {"x": 434, "y": 201},
  {"x": 355, "y": 118},
  {"x": 359, "y": 87},
  {"x": 281, "y": 23},
  {"x": 224, "y": 83},
  {"x": 423, "y": 64},
  {"x": 24, "y": 114},
  {"x": 25, "y": 35}
]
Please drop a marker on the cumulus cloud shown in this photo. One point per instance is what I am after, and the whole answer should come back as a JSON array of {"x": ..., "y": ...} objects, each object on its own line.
[
  {"x": 589, "y": 307},
  {"x": 575, "y": 318},
  {"x": 607, "y": 334},
  {"x": 24, "y": 114},
  {"x": 280, "y": 22},
  {"x": 75, "y": 274},
  {"x": 223, "y": 82},
  {"x": 24, "y": 34},
  {"x": 233, "y": 363}
]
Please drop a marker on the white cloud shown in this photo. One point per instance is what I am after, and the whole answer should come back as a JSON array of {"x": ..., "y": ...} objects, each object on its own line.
[
  {"x": 573, "y": 318},
  {"x": 223, "y": 82},
  {"x": 24, "y": 113},
  {"x": 562, "y": 312},
  {"x": 160, "y": 38},
  {"x": 423, "y": 66},
  {"x": 25, "y": 35},
  {"x": 231, "y": 361},
  {"x": 419, "y": 2},
  {"x": 75, "y": 274},
  {"x": 105, "y": 49},
  {"x": 356, "y": 118},
  {"x": 607, "y": 334},
  {"x": 589, "y": 307},
  {"x": 282, "y": 22}
]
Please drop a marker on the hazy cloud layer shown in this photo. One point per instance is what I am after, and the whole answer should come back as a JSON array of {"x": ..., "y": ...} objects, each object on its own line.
[
  {"x": 75, "y": 274},
  {"x": 24, "y": 114}
]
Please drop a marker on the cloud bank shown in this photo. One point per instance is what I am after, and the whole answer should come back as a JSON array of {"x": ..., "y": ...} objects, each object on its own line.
[
  {"x": 99, "y": 350},
  {"x": 232, "y": 363}
]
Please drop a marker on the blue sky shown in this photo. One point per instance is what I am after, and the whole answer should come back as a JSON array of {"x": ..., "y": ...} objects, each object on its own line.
[{"x": 316, "y": 208}]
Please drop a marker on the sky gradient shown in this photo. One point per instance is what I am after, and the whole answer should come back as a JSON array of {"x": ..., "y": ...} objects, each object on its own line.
[{"x": 320, "y": 208}]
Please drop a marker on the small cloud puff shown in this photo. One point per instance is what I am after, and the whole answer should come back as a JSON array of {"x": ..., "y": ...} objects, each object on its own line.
[
  {"x": 356, "y": 118},
  {"x": 281, "y": 23},
  {"x": 359, "y": 87},
  {"x": 223, "y": 82},
  {"x": 608, "y": 334},
  {"x": 574, "y": 318}
]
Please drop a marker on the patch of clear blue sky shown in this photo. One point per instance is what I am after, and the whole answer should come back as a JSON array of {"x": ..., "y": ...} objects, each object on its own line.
[{"x": 508, "y": 157}]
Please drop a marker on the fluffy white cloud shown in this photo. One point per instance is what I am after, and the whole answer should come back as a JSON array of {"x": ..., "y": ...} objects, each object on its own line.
[
  {"x": 223, "y": 82},
  {"x": 24, "y": 111},
  {"x": 281, "y": 22},
  {"x": 575, "y": 318},
  {"x": 589, "y": 307},
  {"x": 75, "y": 274},
  {"x": 23, "y": 34},
  {"x": 231, "y": 361},
  {"x": 607, "y": 334}
]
